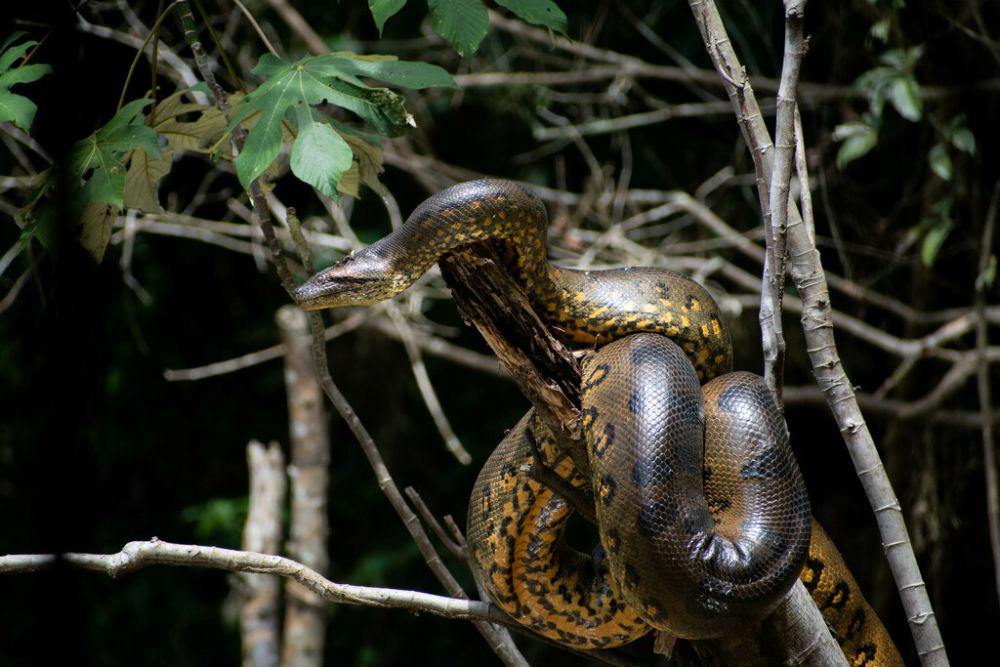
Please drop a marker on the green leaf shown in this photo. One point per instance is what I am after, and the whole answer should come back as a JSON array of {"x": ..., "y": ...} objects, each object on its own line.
[
  {"x": 397, "y": 72},
  {"x": 381, "y": 108},
  {"x": 904, "y": 93},
  {"x": 940, "y": 161},
  {"x": 902, "y": 60},
  {"x": 320, "y": 157},
  {"x": 13, "y": 107},
  {"x": 13, "y": 37},
  {"x": 23, "y": 74},
  {"x": 935, "y": 229},
  {"x": 462, "y": 22},
  {"x": 100, "y": 157},
  {"x": 9, "y": 55},
  {"x": 858, "y": 139},
  {"x": 964, "y": 140},
  {"x": 934, "y": 240},
  {"x": 540, "y": 12},
  {"x": 17, "y": 109},
  {"x": 307, "y": 82},
  {"x": 880, "y": 30},
  {"x": 383, "y": 10}
]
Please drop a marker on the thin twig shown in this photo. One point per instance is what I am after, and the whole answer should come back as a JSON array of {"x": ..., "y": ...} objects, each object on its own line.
[
  {"x": 300, "y": 27},
  {"x": 430, "y": 344},
  {"x": 256, "y": 27},
  {"x": 776, "y": 215},
  {"x": 425, "y": 513}
]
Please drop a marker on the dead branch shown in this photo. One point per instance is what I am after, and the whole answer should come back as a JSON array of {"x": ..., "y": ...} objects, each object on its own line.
[
  {"x": 135, "y": 556},
  {"x": 26, "y": 562}
]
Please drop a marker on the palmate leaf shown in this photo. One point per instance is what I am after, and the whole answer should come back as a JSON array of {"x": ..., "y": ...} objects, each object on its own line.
[
  {"x": 367, "y": 163},
  {"x": 100, "y": 157},
  {"x": 13, "y": 107},
  {"x": 98, "y": 220},
  {"x": 99, "y": 162},
  {"x": 332, "y": 78},
  {"x": 142, "y": 180}
]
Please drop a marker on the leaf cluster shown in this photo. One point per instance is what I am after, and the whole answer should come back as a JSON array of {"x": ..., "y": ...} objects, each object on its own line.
[
  {"x": 893, "y": 83},
  {"x": 323, "y": 149}
]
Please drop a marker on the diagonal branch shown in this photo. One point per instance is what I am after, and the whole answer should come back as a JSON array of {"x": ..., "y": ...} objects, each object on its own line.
[{"x": 807, "y": 273}]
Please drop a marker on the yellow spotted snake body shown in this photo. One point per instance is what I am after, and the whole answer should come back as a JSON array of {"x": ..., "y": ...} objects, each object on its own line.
[{"x": 703, "y": 517}]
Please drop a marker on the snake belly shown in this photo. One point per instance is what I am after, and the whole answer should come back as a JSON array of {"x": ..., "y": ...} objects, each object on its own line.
[{"x": 697, "y": 529}]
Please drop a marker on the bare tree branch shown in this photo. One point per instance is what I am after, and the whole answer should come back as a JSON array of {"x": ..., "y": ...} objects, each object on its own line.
[
  {"x": 807, "y": 273},
  {"x": 26, "y": 562},
  {"x": 137, "y": 555}
]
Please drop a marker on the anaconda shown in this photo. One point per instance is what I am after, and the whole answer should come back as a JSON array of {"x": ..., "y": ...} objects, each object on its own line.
[{"x": 703, "y": 517}]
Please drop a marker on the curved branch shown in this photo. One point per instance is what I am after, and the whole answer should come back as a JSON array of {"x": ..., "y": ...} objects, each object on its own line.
[{"x": 137, "y": 555}]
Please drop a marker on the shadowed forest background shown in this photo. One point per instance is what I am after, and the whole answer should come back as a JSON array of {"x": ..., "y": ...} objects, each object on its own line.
[{"x": 899, "y": 103}]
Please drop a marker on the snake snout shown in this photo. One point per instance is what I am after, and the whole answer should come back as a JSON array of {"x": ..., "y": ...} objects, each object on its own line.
[{"x": 359, "y": 279}]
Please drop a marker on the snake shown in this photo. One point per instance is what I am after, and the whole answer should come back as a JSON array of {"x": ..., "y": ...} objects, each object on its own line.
[{"x": 703, "y": 517}]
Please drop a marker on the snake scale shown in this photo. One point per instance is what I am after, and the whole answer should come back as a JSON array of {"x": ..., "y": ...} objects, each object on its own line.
[{"x": 703, "y": 517}]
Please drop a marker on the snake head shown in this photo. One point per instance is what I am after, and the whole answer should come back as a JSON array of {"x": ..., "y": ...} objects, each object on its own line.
[{"x": 360, "y": 279}]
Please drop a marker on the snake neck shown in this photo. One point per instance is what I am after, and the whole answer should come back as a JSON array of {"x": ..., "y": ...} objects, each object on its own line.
[
  {"x": 592, "y": 307},
  {"x": 501, "y": 212}
]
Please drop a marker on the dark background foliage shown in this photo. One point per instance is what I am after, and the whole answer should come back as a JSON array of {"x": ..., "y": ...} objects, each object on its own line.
[{"x": 97, "y": 448}]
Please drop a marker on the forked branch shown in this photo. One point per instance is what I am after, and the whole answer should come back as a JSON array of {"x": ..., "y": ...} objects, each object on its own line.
[{"x": 806, "y": 270}]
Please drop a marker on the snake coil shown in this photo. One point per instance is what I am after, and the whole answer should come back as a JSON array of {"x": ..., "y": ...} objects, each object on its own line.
[{"x": 703, "y": 517}]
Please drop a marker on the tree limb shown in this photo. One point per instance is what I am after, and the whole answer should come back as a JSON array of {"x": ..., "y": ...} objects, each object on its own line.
[{"x": 137, "y": 555}]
